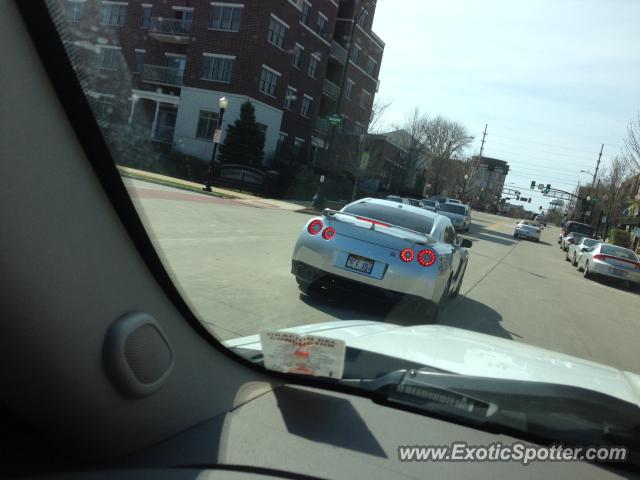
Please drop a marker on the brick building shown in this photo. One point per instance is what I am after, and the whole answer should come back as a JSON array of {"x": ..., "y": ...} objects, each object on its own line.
[{"x": 162, "y": 66}]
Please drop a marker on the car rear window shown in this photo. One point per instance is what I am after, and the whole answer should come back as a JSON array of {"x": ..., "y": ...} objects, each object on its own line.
[
  {"x": 589, "y": 242},
  {"x": 580, "y": 228},
  {"x": 459, "y": 209},
  {"x": 394, "y": 215},
  {"x": 618, "y": 252}
]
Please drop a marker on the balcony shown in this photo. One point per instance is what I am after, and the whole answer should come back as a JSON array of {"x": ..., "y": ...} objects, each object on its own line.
[
  {"x": 338, "y": 52},
  {"x": 162, "y": 75},
  {"x": 170, "y": 30},
  {"x": 330, "y": 89}
]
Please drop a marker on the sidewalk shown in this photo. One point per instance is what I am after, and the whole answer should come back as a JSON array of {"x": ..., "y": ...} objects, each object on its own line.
[{"x": 220, "y": 192}]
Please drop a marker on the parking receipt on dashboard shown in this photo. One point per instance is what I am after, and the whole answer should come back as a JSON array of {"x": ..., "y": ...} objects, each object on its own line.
[{"x": 303, "y": 354}]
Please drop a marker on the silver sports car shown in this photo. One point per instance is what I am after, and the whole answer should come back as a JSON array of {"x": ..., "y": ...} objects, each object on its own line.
[
  {"x": 611, "y": 261},
  {"x": 391, "y": 248}
]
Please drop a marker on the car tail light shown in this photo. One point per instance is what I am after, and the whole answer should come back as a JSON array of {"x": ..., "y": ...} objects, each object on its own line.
[
  {"x": 426, "y": 257},
  {"x": 599, "y": 256},
  {"x": 329, "y": 233},
  {"x": 407, "y": 255},
  {"x": 375, "y": 222},
  {"x": 315, "y": 227}
]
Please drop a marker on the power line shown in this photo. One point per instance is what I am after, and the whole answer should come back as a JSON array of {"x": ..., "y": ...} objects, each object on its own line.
[
  {"x": 579, "y": 157},
  {"x": 609, "y": 141},
  {"x": 544, "y": 144}
]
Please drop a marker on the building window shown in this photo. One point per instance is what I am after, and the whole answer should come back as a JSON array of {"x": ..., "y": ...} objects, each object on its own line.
[
  {"x": 355, "y": 53},
  {"x": 226, "y": 18},
  {"x": 114, "y": 14},
  {"x": 364, "y": 99},
  {"x": 277, "y": 32},
  {"x": 297, "y": 55},
  {"x": 297, "y": 147},
  {"x": 268, "y": 82},
  {"x": 75, "y": 9},
  {"x": 108, "y": 57},
  {"x": 305, "y": 109},
  {"x": 217, "y": 68},
  {"x": 146, "y": 16},
  {"x": 313, "y": 66},
  {"x": 321, "y": 23},
  {"x": 290, "y": 98},
  {"x": 207, "y": 123},
  {"x": 362, "y": 18},
  {"x": 138, "y": 63},
  {"x": 348, "y": 94},
  {"x": 371, "y": 66},
  {"x": 103, "y": 105},
  {"x": 304, "y": 13}
]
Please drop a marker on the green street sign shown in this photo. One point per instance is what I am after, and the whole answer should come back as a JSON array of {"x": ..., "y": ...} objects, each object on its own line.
[{"x": 335, "y": 120}]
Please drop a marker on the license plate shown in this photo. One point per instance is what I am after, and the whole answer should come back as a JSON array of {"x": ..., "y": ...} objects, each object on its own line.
[
  {"x": 361, "y": 264},
  {"x": 620, "y": 273}
]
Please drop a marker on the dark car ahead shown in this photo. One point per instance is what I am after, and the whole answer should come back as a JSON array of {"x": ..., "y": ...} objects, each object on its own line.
[{"x": 580, "y": 229}]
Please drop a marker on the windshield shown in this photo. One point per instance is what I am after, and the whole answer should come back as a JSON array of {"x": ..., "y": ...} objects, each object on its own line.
[
  {"x": 392, "y": 215},
  {"x": 580, "y": 229},
  {"x": 448, "y": 207},
  {"x": 618, "y": 252},
  {"x": 588, "y": 242},
  {"x": 240, "y": 129}
]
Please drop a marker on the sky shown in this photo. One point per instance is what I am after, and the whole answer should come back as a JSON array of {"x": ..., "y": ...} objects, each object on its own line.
[{"x": 552, "y": 79}]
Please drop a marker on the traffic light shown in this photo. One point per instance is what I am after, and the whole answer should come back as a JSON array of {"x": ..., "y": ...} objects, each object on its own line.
[
  {"x": 529, "y": 200},
  {"x": 518, "y": 197},
  {"x": 546, "y": 190},
  {"x": 533, "y": 185}
]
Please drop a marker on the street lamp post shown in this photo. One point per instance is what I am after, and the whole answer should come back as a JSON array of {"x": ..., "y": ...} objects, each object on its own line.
[
  {"x": 319, "y": 200},
  {"x": 223, "y": 103},
  {"x": 464, "y": 185}
]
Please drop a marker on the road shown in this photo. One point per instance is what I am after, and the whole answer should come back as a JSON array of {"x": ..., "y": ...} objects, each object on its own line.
[{"x": 231, "y": 260}]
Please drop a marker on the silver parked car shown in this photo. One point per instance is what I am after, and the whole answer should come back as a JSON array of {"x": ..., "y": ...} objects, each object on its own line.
[
  {"x": 576, "y": 249},
  {"x": 458, "y": 213},
  {"x": 527, "y": 229},
  {"x": 393, "y": 249},
  {"x": 430, "y": 204},
  {"x": 611, "y": 261}
]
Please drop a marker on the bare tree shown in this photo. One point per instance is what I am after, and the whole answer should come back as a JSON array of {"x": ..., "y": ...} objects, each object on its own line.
[
  {"x": 411, "y": 137},
  {"x": 445, "y": 139},
  {"x": 632, "y": 144},
  {"x": 611, "y": 192},
  {"x": 379, "y": 108}
]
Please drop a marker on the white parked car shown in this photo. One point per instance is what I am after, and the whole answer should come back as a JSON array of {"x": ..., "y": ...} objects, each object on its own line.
[
  {"x": 607, "y": 260},
  {"x": 527, "y": 229},
  {"x": 576, "y": 250}
]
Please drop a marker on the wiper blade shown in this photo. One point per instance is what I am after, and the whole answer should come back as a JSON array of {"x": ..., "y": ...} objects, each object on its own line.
[{"x": 419, "y": 389}]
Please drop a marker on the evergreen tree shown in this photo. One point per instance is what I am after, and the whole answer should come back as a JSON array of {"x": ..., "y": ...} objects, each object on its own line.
[{"x": 244, "y": 142}]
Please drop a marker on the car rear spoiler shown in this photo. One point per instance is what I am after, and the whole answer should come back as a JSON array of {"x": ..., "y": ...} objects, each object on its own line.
[{"x": 428, "y": 239}]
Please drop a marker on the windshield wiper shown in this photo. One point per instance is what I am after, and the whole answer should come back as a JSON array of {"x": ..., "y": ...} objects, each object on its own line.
[{"x": 545, "y": 412}]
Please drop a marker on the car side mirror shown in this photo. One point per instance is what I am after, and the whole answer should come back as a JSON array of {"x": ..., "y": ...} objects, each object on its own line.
[{"x": 466, "y": 243}]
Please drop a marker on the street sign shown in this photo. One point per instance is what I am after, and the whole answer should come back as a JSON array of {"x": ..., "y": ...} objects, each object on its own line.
[
  {"x": 335, "y": 120},
  {"x": 216, "y": 135},
  {"x": 540, "y": 186}
]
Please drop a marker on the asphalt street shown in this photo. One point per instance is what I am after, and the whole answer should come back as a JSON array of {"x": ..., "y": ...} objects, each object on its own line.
[{"x": 231, "y": 260}]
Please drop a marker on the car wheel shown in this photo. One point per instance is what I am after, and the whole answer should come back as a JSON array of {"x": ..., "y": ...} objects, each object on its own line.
[
  {"x": 574, "y": 262},
  {"x": 537, "y": 240},
  {"x": 434, "y": 310},
  {"x": 586, "y": 273},
  {"x": 515, "y": 235},
  {"x": 457, "y": 290},
  {"x": 633, "y": 286},
  {"x": 566, "y": 256}
]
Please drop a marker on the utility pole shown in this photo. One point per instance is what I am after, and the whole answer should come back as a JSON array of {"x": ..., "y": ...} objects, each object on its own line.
[
  {"x": 484, "y": 134},
  {"x": 595, "y": 174}
]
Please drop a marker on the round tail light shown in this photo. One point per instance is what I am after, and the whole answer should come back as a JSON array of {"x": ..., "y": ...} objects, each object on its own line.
[
  {"x": 426, "y": 257},
  {"x": 407, "y": 255},
  {"x": 315, "y": 227},
  {"x": 329, "y": 233}
]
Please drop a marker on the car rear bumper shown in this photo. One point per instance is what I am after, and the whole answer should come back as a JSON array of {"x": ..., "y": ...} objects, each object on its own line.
[
  {"x": 390, "y": 274},
  {"x": 611, "y": 271},
  {"x": 527, "y": 234}
]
